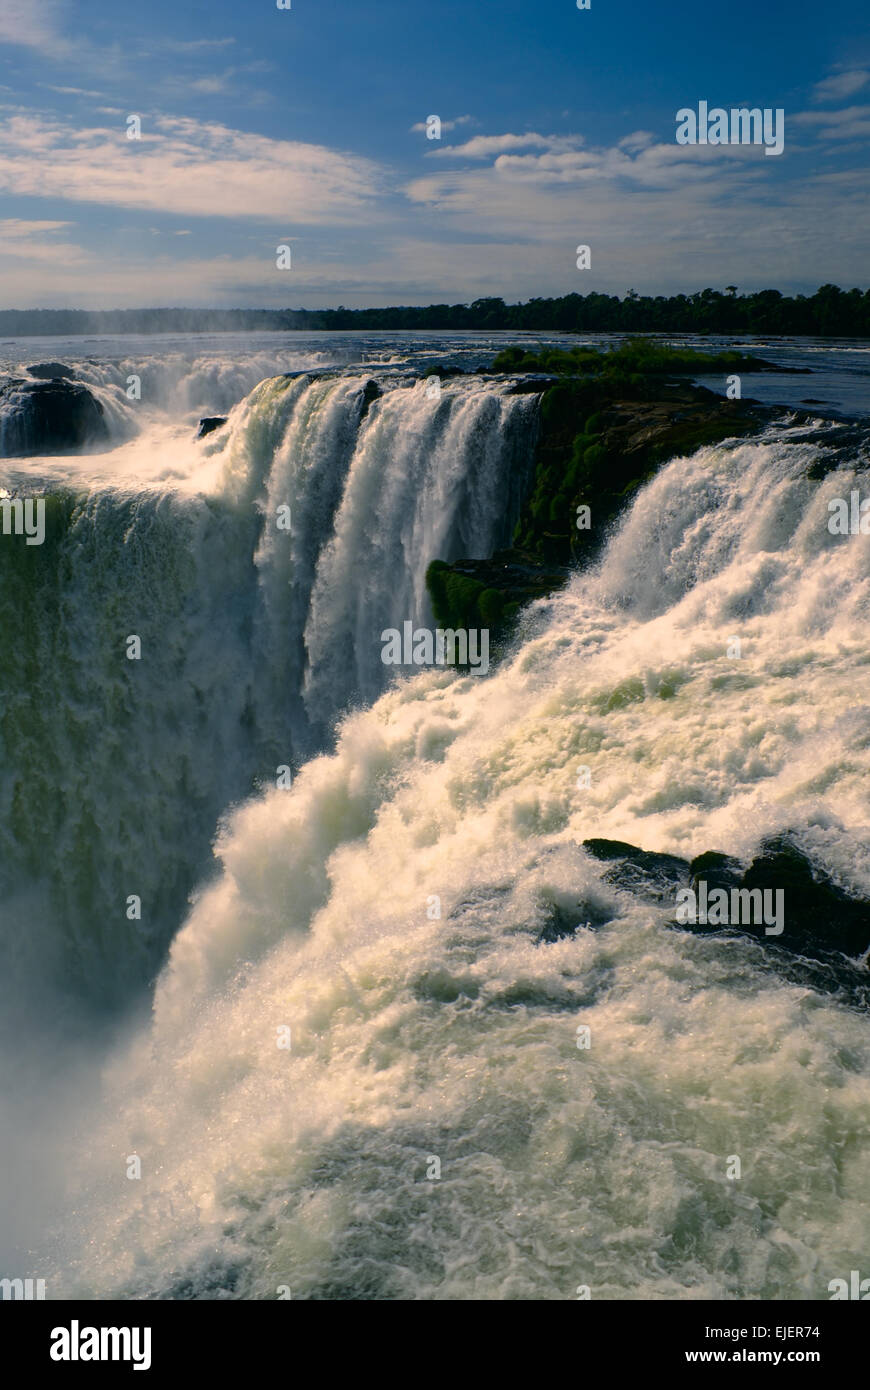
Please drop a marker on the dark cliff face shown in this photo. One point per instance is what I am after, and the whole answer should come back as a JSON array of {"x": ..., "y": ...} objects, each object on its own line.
[
  {"x": 599, "y": 440},
  {"x": 48, "y": 417}
]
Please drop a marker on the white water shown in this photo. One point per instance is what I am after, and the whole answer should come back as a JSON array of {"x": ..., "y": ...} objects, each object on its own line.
[
  {"x": 176, "y": 383},
  {"x": 415, "y": 1039},
  {"x": 253, "y": 639}
]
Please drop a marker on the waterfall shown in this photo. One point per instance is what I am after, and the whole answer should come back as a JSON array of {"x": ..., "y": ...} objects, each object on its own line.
[
  {"x": 363, "y": 1076},
  {"x": 253, "y": 641}
]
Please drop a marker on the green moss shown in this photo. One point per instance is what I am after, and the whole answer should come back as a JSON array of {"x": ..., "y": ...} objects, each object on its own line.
[
  {"x": 490, "y": 606},
  {"x": 454, "y": 596},
  {"x": 436, "y": 586},
  {"x": 634, "y": 359}
]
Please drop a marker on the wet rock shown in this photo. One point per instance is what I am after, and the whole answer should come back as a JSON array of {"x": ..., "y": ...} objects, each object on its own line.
[
  {"x": 209, "y": 423},
  {"x": 443, "y": 371},
  {"x": 818, "y": 915},
  {"x": 819, "y": 919},
  {"x": 598, "y": 441},
  {"x": 371, "y": 392},
  {"x": 48, "y": 417},
  {"x": 561, "y": 921},
  {"x": 716, "y": 870},
  {"x": 51, "y": 371},
  {"x": 839, "y": 446},
  {"x": 488, "y": 593},
  {"x": 654, "y": 877}
]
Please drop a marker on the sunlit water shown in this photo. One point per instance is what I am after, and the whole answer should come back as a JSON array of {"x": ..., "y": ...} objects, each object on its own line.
[{"x": 433, "y": 1131}]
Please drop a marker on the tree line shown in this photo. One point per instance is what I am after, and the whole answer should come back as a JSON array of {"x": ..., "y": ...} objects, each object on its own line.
[{"x": 830, "y": 312}]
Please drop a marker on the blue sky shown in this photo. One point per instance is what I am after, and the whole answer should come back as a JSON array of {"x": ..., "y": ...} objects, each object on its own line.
[{"x": 304, "y": 127}]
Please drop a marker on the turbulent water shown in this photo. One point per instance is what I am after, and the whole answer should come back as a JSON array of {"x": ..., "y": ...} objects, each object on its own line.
[
  {"x": 254, "y": 638},
  {"x": 434, "y": 1129}
]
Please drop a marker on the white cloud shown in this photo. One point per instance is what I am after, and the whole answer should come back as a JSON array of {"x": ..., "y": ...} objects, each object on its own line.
[
  {"x": 658, "y": 216},
  {"x": 23, "y": 240},
  {"x": 211, "y": 86},
  {"x": 502, "y": 242},
  {"x": 19, "y": 227},
  {"x": 850, "y": 123},
  {"x": 637, "y": 140},
  {"x": 482, "y": 146},
  {"x": 71, "y": 91},
  {"x": 186, "y": 167},
  {"x": 562, "y": 169},
  {"x": 420, "y": 127},
  {"x": 841, "y": 85},
  {"x": 193, "y": 45},
  {"x": 33, "y": 24}
]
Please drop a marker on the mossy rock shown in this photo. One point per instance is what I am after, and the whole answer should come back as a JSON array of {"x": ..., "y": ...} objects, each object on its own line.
[
  {"x": 454, "y": 596},
  {"x": 491, "y": 606}
]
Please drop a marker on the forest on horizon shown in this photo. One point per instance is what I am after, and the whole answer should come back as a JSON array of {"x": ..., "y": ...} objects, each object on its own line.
[{"x": 830, "y": 312}]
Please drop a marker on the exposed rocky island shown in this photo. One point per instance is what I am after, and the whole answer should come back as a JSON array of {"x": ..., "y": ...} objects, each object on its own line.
[
  {"x": 607, "y": 422},
  {"x": 48, "y": 413}
]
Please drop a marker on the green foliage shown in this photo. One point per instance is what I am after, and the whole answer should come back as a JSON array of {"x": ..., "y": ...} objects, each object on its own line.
[
  {"x": 454, "y": 596},
  {"x": 629, "y": 363},
  {"x": 439, "y": 369},
  {"x": 830, "y": 311},
  {"x": 459, "y": 601},
  {"x": 490, "y": 606}
]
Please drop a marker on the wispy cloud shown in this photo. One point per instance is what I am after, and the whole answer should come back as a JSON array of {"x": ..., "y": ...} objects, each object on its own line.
[
  {"x": 213, "y": 84},
  {"x": 853, "y": 122},
  {"x": 33, "y": 24},
  {"x": 32, "y": 241},
  {"x": 482, "y": 146},
  {"x": 555, "y": 163},
  {"x": 498, "y": 213},
  {"x": 672, "y": 210},
  {"x": 841, "y": 85},
  {"x": 21, "y": 227},
  {"x": 420, "y": 127},
  {"x": 192, "y": 45},
  {"x": 637, "y": 140},
  {"x": 186, "y": 167},
  {"x": 72, "y": 91}
]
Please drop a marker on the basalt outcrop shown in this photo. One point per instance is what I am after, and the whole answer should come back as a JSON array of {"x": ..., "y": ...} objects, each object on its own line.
[
  {"x": 209, "y": 423},
  {"x": 598, "y": 442},
  {"x": 53, "y": 416},
  {"x": 825, "y": 929}
]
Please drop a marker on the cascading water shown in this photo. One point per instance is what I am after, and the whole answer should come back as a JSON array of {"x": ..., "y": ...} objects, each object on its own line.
[
  {"x": 429, "y": 1126},
  {"x": 136, "y": 390},
  {"x": 253, "y": 639}
]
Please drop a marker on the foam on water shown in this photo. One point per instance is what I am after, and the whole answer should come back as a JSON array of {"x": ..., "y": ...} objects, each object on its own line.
[
  {"x": 177, "y": 385},
  {"x": 253, "y": 639},
  {"x": 417, "y": 1038}
]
